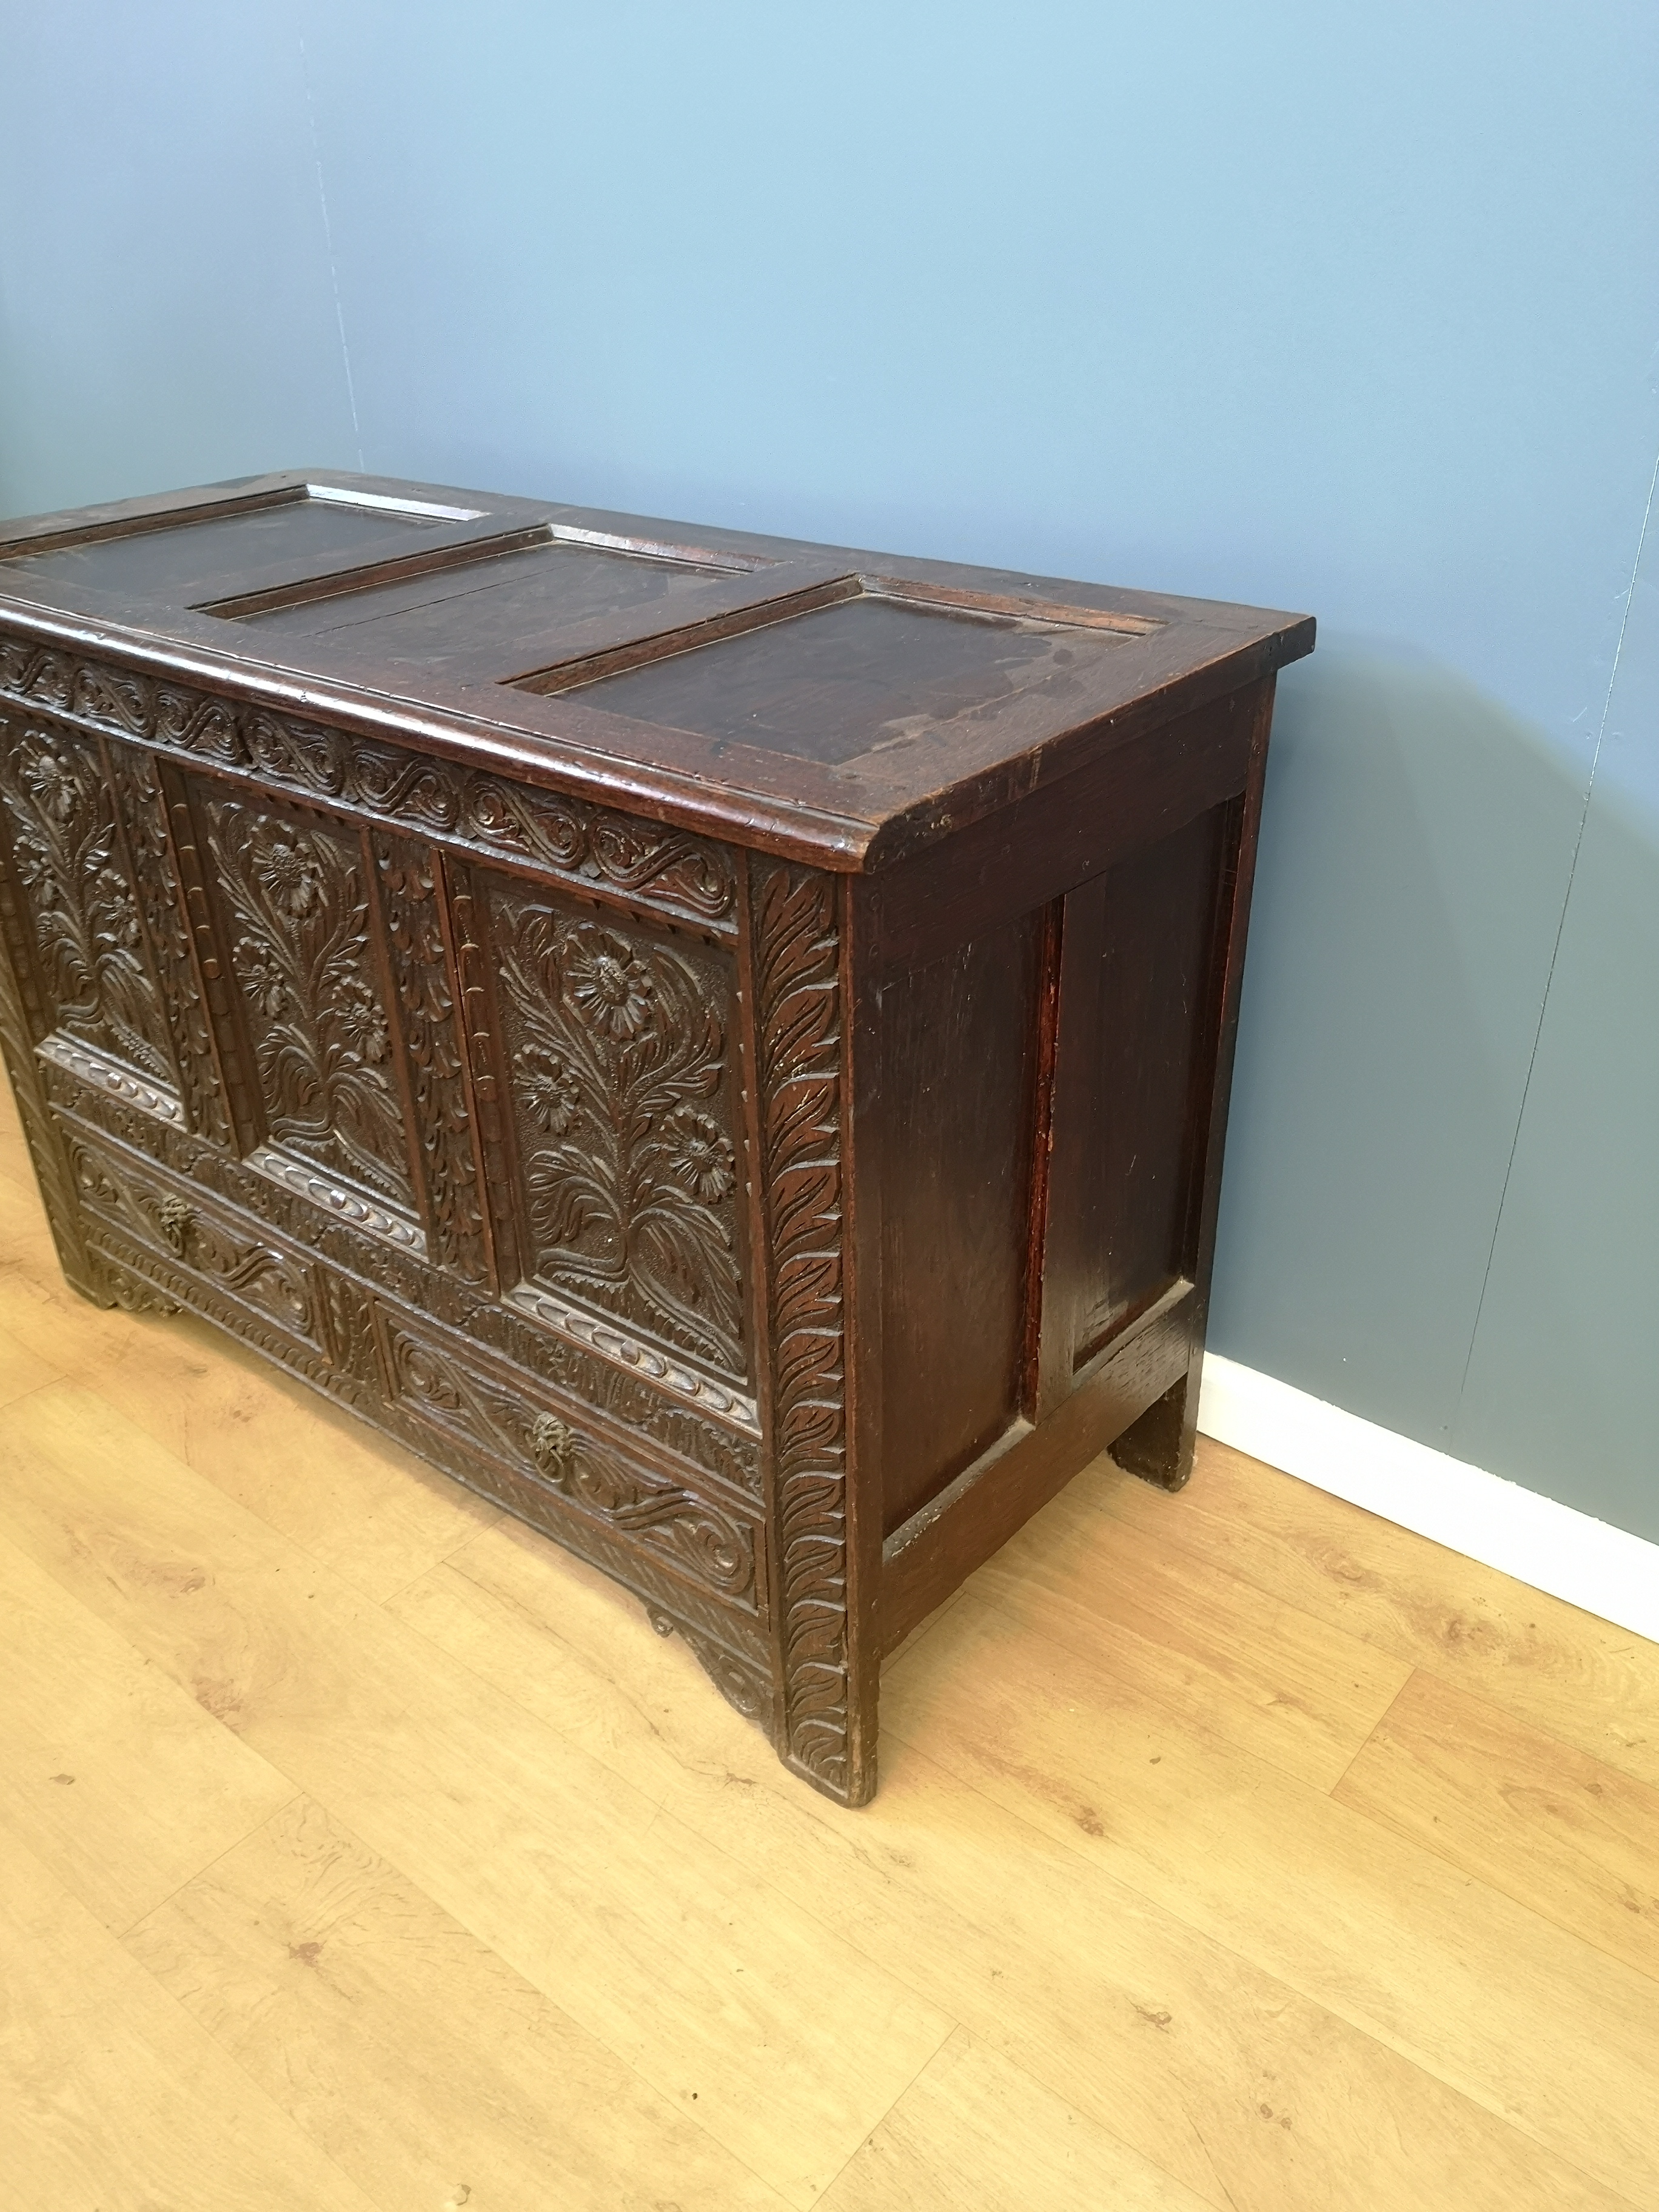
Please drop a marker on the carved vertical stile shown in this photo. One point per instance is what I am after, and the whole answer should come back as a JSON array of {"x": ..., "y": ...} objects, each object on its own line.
[
  {"x": 142, "y": 805},
  {"x": 478, "y": 1030},
  {"x": 243, "y": 1125},
  {"x": 799, "y": 1052},
  {"x": 411, "y": 912}
]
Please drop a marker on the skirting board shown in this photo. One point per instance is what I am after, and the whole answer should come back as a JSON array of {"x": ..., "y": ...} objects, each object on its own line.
[{"x": 1550, "y": 1546}]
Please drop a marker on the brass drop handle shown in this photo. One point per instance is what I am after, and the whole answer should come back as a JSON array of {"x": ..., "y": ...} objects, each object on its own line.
[
  {"x": 178, "y": 1218},
  {"x": 552, "y": 1443}
]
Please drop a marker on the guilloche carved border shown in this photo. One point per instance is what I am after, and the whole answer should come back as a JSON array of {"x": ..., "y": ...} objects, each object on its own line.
[
  {"x": 799, "y": 1018},
  {"x": 633, "y": 861}
]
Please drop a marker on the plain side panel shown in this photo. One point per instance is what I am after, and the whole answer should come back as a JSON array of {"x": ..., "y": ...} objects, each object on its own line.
[
  {"x": 959, "y": 1059},
  {"x": 1136, "y": 998}
]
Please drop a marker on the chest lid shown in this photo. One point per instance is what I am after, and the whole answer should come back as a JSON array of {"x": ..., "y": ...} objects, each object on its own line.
[{"x": 848, "y": 706}]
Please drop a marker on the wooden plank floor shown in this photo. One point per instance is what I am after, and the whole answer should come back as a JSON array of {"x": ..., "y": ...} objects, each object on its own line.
[{"x": 357, "y": 1849}]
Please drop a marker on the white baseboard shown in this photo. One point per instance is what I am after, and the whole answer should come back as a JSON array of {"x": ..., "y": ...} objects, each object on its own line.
[{"x": 1550, "y": 1546}]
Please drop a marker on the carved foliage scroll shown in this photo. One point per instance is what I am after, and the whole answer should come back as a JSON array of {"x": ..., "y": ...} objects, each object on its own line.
[
  {"x": 798, "y": 999},
  {"x": 616, "y": 1050},
  {"x": 300, "y": 949},
  {"x": 410, "y": 903},
  {"x": 83, "y": 911},
  {"x": 591, "y": 846}
]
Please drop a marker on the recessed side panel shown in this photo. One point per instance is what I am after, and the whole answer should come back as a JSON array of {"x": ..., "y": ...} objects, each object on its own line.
[
  {"x": 1135, "y": 1059},
  {"x": 959, "y": 1056}
]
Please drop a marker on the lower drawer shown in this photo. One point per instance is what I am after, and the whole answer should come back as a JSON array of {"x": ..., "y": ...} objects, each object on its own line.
[
  {"x": 656, "y": 1523},
  {"x": 508, "y": 1418}
]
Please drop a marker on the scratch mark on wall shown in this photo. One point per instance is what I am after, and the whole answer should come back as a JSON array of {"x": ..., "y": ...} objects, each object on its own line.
[
  {"x": 1555, "y": 949},
  {"x": 333, "y": 266}
]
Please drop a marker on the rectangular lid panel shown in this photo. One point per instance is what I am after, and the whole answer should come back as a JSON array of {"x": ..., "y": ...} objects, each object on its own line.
[
  {"x": 188, "y": 555},
  {"x": 871, "y": 668},
  {"x": 485, "y": 616}
]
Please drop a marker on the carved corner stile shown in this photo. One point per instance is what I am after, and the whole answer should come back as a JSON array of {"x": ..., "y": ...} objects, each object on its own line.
[{"x": 800, "y": 1055}]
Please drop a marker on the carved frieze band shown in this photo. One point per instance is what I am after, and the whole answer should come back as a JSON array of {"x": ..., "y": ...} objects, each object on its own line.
[
  {"x": 799, "y": 1015},
  {"x": 635, "y": 862}
]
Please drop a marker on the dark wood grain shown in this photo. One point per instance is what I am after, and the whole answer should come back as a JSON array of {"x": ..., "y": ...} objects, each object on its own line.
[
  {"x": 722, "y": 1044},
  {"x": 959, "y": 1044}
]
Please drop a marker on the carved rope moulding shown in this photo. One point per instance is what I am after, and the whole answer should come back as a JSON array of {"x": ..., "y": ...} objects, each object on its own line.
[{"x": 622, "y": 855}]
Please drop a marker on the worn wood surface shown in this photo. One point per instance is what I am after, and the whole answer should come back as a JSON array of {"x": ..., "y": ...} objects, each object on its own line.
[
  {"x": 1235, "y": 1849},
  {"x": 718, "y": 1043}
]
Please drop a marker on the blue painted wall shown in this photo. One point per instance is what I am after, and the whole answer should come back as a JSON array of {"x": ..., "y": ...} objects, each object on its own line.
[{"x": 1342, "y": 309}]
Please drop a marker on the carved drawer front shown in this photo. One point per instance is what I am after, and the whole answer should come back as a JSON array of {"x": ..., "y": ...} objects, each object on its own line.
[
  {"x": 666, "y": 1517},
  {"x": 77, "y": 907},
  {"x": 139, "y": 1216},
  {"x": 604, "y": 1062}
]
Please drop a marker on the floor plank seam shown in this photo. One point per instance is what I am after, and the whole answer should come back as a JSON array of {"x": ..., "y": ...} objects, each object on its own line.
[{"x": 1474, "y": 2094}]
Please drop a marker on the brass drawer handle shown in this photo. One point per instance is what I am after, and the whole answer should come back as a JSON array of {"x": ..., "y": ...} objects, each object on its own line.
[
  {"x": 178, "y": 1218},
  {"x": 552, "y": 1443}
]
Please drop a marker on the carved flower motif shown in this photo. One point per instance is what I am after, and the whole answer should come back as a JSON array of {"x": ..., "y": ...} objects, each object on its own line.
[
  {"x": 702, "y": 1162},
  {"x": 551, "y": 1094},
  {"x": 34, "y": 873},
  {"x": 52, "y": 779},
  {"x": 260, "y": 975},
  {"x": 610, "y": 988},
  {"x": 292, "y": 878},
  {"x": 110, "y": 889},
  {"x": 361, "y": 1022}
]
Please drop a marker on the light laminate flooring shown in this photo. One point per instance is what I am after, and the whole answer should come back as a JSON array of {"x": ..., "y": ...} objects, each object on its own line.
[{"x": 360, "y": 1849}]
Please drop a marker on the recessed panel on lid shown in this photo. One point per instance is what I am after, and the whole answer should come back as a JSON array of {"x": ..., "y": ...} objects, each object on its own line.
[
  {"x": 874, "y": 666},
  {"x": 175, "y": 553},
  {"x": 512, "y": 604}
]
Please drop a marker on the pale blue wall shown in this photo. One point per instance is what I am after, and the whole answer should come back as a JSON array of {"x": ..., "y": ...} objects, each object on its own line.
[{"x": 1339, "y": 307}]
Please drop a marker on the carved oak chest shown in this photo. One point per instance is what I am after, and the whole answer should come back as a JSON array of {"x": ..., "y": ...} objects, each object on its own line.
[{"x": 720, "y": 1043}]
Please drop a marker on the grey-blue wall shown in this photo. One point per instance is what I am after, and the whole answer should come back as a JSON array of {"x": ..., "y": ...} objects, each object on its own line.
[{"x": 1344, "y": 308}]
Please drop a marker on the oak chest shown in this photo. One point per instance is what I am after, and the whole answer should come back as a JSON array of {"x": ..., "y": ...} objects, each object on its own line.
[{"x": 720, "y": 1043}]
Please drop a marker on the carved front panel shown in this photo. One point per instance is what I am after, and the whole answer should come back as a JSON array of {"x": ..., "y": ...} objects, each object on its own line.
[
  {"x": 295, "y": 897},
  {"x": 616, "y": 1052},
  {"x": 70, "y": 861}
]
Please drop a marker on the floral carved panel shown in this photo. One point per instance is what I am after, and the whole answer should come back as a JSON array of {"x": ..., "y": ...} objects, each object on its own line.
[
  {"x": 294, "y": 894},
  {"x": 77, "y": 889},
  {"x": 615, "y": 1045}
]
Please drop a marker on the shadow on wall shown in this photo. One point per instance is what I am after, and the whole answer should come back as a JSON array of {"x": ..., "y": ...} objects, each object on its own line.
[{"x": 1417, "y": 843}]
